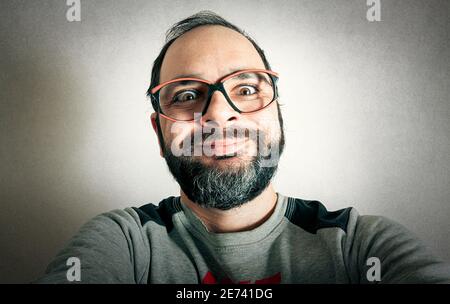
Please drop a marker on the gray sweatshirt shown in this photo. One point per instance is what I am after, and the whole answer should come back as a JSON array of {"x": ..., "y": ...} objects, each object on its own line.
[{"x": 301, "y": 242}]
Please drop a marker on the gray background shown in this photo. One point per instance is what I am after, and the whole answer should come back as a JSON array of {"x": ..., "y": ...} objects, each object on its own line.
[{"x": 366, "y": 107}]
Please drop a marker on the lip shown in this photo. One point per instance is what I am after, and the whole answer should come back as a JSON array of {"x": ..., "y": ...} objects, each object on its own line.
[
  {"x": 227, "y": 142},
  {"x": 225, "y": 146}
]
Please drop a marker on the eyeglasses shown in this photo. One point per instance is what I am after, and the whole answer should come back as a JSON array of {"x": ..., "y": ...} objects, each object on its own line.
[{"x": 246, "y": 91}]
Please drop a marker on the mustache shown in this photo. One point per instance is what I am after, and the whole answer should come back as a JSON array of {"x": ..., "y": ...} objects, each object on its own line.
[
  {"x": 253, "y": 142},
  {"x": 250, "y": 142},
  {"x": 229, "y": 133}
]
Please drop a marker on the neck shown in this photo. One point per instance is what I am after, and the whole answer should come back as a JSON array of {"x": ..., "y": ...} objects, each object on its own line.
[{"x": 246, "y": 217}]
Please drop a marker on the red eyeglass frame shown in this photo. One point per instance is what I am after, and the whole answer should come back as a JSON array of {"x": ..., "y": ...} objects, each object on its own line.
[{"x": 219, "y": 82}]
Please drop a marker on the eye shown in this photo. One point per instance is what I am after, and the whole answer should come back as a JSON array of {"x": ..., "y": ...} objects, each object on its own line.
[
  {"x": 247, "y": 90},
  {"x": 185, "y": 96}
]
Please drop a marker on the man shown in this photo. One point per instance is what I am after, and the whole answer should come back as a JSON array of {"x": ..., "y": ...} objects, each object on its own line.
[{"x": 220, "y": 130}]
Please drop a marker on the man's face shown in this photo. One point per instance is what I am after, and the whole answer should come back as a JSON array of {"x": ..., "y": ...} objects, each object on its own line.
[{"x": 210, "y": 53}]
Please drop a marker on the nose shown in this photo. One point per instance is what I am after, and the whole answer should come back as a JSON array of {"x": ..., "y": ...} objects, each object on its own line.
[{"x": 219, "y": 111}]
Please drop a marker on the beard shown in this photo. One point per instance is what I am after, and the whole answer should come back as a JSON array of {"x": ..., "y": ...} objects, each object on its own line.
[{"x": 226, "y": 187}]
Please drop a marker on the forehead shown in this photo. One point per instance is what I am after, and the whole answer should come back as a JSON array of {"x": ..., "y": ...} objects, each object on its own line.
[{"x": 209, "y": 52}]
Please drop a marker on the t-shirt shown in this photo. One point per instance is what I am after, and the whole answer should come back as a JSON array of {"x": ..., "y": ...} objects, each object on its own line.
[{"x": 301, "y": 242}]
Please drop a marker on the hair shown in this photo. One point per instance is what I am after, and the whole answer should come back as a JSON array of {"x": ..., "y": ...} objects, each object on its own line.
[{"x": 202, "y": 18}]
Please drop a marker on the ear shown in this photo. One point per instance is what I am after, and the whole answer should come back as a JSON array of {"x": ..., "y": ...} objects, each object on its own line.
[{"x": 155, "y": 128}]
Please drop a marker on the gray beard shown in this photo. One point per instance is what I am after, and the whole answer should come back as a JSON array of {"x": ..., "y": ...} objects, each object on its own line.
[
  {"x": 221, "y": 188},
  {"x": 213, "y": 187}
]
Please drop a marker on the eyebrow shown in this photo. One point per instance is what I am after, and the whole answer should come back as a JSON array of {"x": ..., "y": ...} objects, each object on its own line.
[
  {"x": 246, "y": 76},
  {"x": 187, "y": 76},
  {"x": 201, "y": 77}
]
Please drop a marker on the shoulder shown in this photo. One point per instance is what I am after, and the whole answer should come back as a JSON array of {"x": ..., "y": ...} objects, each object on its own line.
[
  {"x": 381, "y": 234},
  {"x": 119, "y": 218},
  {"x": 312, "y": 215},
  {"x": 131, "y": 218},
  {"x": 160, "y": 214},
  {"x": 138, "y": 216}
]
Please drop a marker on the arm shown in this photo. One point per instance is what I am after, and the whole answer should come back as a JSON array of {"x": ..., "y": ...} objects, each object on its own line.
[
  {"x": 111, "y": 249},
  {"x": 403, "y": 258}
]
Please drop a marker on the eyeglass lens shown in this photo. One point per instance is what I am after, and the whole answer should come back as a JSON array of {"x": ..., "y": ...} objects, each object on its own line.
[{"x": 249, "y": 91}]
